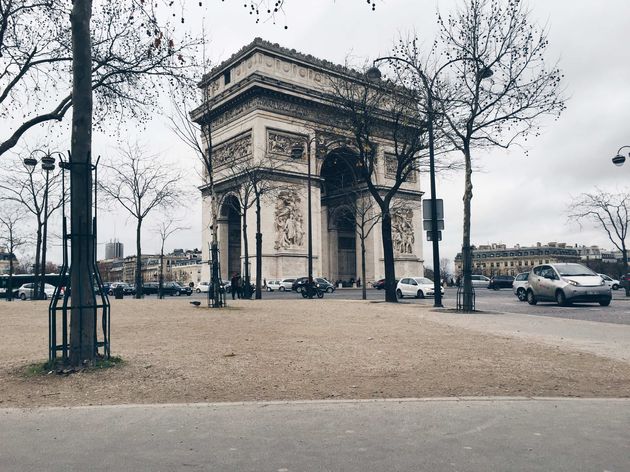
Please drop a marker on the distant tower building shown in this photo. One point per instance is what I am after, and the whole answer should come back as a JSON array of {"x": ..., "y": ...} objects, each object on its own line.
[{"x": 114, "y": 250}]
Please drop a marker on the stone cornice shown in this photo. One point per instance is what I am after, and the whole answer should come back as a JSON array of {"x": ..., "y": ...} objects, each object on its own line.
[{"x": 274, "y": 49}]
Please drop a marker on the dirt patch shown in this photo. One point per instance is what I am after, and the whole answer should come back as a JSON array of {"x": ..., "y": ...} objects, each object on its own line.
[{"x": 292, "y": 349}]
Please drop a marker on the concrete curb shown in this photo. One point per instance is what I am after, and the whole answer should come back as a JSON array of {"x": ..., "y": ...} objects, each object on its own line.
[{"x": 263, "y": 404}]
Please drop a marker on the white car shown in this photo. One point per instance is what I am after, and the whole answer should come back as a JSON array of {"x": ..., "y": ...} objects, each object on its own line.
[
  {"x": 419, "y": 287},
  {"x": 273, "y": 285},
  {"x": 286, "y": 284},
  {"x": 612, "y": 283},
  {"x": 520, "y": 285},
  {"x": 202, "y": 287},
  {"x": 26, "y": 291}
]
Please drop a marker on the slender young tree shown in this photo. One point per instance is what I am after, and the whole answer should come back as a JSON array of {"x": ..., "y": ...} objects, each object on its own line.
[
  {"x": 12, "y": 237},
  {"x": 496, "y": 89},
  {"x": 607, "y": 211},
  {"x": 253, "y": 185},
  {"x": 167, "y": 227},
  {"x": 140, "y": 184},
  {"x": 25, "y": 186},
  {"x": 364, "y": 216}
]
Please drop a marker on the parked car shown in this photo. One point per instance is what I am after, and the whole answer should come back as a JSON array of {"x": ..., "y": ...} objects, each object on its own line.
[
  {"x": 324, "y": 284},
  {"x": 419, "y": 287},
  {"x": 479, "y": 280},
  {"x": 380, "y": 284},
  {"x": 202, "y": 287},
  {"x": 612, "y": 283},
  {"x": 298, "y": 284},
  {"x": 27, "y": 290},
  {"x": 150, "y": 288},
  {"x": 273, "y": 285},
  {"x": 500, "y": 281},
  {"x": 128, "y": 289},
  {"x": 173, "y": 288},
  {"x": 286, "y": 284},
  {"x": 520, "y": 286},
  {"x": 567, "y": 283}
]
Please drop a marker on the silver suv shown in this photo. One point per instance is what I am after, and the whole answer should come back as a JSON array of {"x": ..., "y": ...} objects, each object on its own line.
[
  {"x": 567, "y": 283},
  {"x": 520, "y": 286}
]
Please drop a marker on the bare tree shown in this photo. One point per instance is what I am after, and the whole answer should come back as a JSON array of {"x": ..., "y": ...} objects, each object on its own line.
[
  {"x": 497, "y": 88},
  {"x": 374, "y": 113},
  {"x": 131, "y": 55},
  {"x": 198, "y": 137},
  {"x": 253, "y": 184},
  {"x": 140, "y": 184},
  {"x": 445, "y": 268},
  {"x": 364, "y": 214},
  {"x": 607, "y": 211},
  {"x": 26, "y": 186},
  {"x": 167, "y": 227},
  {"x": 12, "y": 236}
]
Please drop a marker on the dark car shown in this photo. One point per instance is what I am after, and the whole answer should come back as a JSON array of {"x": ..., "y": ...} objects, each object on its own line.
[
  {"x": 324, "y": 284},
  {"x": 150, "y": 288},
  {"x": 380, "y": 284},
  {"x": 500, "y": 281},
  {"x": 177, "y": 289},
  {"x": 298, "y": 284}
]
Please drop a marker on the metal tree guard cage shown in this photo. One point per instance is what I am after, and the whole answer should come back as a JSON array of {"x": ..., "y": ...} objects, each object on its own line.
[
  {"x": 99, "y": 299},
  {"x": 460, "y": 298},
  {"x": 216, "y": 292}
]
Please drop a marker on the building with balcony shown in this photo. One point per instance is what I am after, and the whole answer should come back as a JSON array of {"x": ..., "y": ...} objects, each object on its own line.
[{"x": 498, "y": 259}]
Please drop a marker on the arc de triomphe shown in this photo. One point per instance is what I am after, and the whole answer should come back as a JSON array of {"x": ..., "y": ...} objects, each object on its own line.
[{"x": 263, "y": 103}]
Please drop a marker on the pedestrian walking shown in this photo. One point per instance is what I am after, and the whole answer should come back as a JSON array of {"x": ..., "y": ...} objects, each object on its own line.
[
  {"x": 239, "y": 286},
  {"x": 234, "y": 285}
]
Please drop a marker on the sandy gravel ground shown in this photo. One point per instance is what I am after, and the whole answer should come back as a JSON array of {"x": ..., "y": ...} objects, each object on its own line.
[{"x": 292, "y": 349}]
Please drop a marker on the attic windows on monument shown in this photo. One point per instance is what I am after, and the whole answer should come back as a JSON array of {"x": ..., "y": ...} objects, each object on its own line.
[{"x": 227, "y": 78}]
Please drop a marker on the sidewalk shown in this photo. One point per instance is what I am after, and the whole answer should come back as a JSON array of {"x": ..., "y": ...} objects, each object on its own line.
[
  {"x": 472, "y": 435},
  {"x": 602, "y": 339}
]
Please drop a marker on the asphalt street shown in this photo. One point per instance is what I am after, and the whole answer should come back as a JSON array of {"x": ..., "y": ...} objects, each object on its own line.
[
  {"x": 472, "y": 435},
  {"x": 492, "y": 300}
]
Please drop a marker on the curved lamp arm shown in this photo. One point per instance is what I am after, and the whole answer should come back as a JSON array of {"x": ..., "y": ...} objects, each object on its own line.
[{"x": 619, "y": 158}]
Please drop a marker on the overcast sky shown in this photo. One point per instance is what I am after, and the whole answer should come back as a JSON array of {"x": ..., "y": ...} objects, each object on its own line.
[{"x": 518, "y": 198}]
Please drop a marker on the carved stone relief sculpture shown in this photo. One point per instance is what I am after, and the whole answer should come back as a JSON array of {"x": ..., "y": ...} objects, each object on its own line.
[
  {"x": 289, "y": 223},
  {"x": 282, "y": 143},
  {"x": 233, "y": 150},
  {"x": 391, "y": 164},
  {"x": 403, "y": 236}
]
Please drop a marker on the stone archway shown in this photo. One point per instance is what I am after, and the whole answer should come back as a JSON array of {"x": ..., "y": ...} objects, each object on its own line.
[
  {"x": 231, "y": 213},
  {"x": 339, "y": 186}
]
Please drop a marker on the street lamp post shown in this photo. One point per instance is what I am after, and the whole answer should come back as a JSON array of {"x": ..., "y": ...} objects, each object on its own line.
[
  {"x": 374, "y": 74},
  {"x": 297, "y": 153},
  {"x": 619, "y": 158},
  {"x": 47, "y": 164}
]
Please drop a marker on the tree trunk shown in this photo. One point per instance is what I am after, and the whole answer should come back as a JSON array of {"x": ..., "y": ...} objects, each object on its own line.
[
  {"x": 258, "y": 251},
  {"x": 363, "y": 287},
  {"x": 138, "y": 275},
  {"x": 83, "y": 317},
  {"x": 161, "y": 279},
  {"x": 467, "y": 301},
  {"x": 246, "y": 292},
  {"x": 10, "y": 281},
  {"x": 37, "y": 270},
  {"x": 388, "y": 256}
]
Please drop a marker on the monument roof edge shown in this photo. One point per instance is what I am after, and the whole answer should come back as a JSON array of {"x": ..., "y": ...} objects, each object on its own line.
[{"x": 275, "y": 48}]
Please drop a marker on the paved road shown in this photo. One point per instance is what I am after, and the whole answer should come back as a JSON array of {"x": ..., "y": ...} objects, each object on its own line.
[
  {"x": 417, "y": 435},
  {"x": 496, "y": 300}
]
